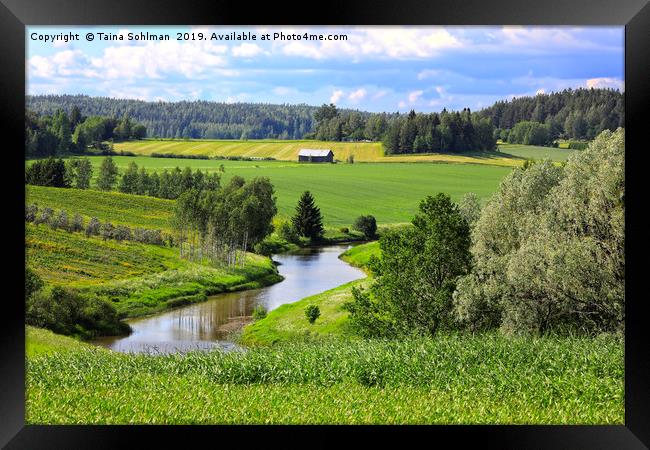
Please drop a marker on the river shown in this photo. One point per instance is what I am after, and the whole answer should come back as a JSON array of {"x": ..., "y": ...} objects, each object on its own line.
[{"x": 206, "y": 325}]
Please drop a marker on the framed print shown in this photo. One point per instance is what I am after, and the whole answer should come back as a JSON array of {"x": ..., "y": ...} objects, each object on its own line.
[{"x": 385, "y": 220}]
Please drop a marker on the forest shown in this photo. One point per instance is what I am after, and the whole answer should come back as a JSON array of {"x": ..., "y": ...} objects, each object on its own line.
[{"x": 569, "y": 114}]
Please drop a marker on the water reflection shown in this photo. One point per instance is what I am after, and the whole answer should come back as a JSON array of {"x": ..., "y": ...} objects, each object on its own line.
[{"x": 206, "y": 325}]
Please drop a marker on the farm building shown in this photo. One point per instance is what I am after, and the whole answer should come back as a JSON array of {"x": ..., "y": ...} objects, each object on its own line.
[{"x": 321, "y": 155}]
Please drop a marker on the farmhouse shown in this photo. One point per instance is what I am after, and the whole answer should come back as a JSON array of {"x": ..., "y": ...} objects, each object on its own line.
[{"x": 310, "y": 155}]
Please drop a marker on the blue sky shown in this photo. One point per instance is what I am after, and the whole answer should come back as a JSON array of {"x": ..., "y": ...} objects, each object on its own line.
[{"x": 375, "y": 69}]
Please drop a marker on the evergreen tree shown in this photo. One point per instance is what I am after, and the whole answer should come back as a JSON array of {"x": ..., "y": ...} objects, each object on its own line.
[{"x": 308, "y": 221}]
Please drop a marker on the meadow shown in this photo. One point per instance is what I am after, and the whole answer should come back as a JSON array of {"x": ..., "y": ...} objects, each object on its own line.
[
  {"x": 446, "y": 380},
  {"x": 114, "y": 207},
  {"x": 342, "y": 191},
  {"x": 138, "y": 278},
  {"x": 287, "y": 150}
]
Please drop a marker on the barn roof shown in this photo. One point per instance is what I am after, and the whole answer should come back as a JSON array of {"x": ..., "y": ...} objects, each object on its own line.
[{"x": 313, "y": 152}]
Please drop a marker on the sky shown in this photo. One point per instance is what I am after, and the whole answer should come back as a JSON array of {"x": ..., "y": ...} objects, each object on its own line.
[{"x": 392, "y": 69}]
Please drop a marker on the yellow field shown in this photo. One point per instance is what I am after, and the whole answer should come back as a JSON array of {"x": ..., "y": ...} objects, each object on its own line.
[
  {"x": 282, "y": 150},
  {"x": 288, "y": 151}
]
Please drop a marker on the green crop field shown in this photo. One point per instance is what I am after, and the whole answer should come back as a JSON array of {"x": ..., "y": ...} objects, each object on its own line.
[
  {"x": 390, "y": 192},
  {"x": 115, "y": 207},
  {"x": 447, "y": 380},
  {"x": 510, "y": 155},
  {"x": 536, "y": 152}
]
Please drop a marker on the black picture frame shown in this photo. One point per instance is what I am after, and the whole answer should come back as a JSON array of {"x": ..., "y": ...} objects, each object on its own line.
[{"x": 16, "y": 14}]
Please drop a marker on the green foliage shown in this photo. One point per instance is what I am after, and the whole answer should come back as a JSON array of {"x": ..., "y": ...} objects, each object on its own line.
[
  {"x": 48, "y": 172},
  {"x": 33, "y": 283},
  {"x": 470, "y": 208},
  {"x": 259, "y": 313},
  {"x": 366, "y": 225},
  {"x": 312, "y": 312},
  {"x": 67, "y": 312},
  {"x": 549, "y": 247},
  {"x": 107, "y": 174},
  {"x": 307, "y": 220},
  {"x": 416, "y": 275}
]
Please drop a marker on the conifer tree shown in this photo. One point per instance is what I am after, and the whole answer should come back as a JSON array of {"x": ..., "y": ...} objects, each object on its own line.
[{"x": 308, "y": 221}]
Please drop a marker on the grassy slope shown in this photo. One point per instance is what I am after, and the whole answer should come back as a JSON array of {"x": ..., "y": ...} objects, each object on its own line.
[
  {"x": 344, "y": 191},
  {"x": 139, "y": 278},
  {"x": 288, "y": 322},
  {"x": 39, "y": 342},
  {"x": 447, "y": 380},
  {"x": 118, "y": 208},
  {"x": 288, "y": 151}
]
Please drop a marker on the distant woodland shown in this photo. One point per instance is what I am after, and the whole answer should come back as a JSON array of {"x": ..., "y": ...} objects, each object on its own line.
[{"x": 58, "y": 124}]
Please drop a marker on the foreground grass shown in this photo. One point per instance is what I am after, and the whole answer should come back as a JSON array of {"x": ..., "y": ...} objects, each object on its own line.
[
  {"x": 390, "y": 192},
  {"x": 447, "y": 380},
  {"x": 138, "y": 278}
]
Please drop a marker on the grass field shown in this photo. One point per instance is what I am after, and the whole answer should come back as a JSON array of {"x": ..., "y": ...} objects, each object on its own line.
[
  {"x": 138, "y": 278},
  {"x": 359, "y": 255},
  {"x": 115, "y": 207},
  {"x": 447, "y": 380},
  {"x": 535, "y": 152},
  {"x": 362, "y": 151},
  {"x": 39, "y": 341},
  {"x": 342, "y": 191}
]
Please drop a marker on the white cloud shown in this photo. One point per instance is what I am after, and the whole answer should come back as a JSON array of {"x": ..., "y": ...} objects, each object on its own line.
[
  {"x": 357, "y": 95},
  {"x": 336, "y": 96},
  {"x": 247, "y": 50},
  {"x": 401, "y": 104},
  {"x": 392, "y": 42},
  {"x": 415, "y": 95},
  {"x": 605, "y": 82}
]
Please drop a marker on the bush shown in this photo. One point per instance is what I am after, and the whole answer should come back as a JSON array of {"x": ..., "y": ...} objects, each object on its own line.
[
  {"x": 312, "y": 312},
  {"x": 68, "y": 312},
  {"x": 93, "y": 228},
  {"x": 287, "y": 232},
  {"x": 366, "y": 225},
  {"x": 345, "y": 230},
  {"x": 31, "y": 211},
  {"x": 259, "y": 312}
]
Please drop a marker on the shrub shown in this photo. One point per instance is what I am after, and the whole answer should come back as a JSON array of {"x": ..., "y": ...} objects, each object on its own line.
[
  {"x": 31, "y": 211},
  {"x": 259, "y": 312},
  {"x": 106, "y": 230},
  {"x": 345, "y": 230},
  {"x": 122, "y": 233},
  {"x": 94, "y": 226},
  {"x": 312, "y": 312},
  {"x": 45, "y": 216},
  {"x": 366, "y": 225},
  {"x": 287, "y": 232},
  {"x": 77, "y": 223}
]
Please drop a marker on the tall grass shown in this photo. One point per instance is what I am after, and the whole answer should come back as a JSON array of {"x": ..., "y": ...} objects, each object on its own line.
[{"x": 552, "y": 380}]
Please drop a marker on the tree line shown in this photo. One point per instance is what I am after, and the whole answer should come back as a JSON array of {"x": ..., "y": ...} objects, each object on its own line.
[
  {"x": 62, "y": 132},
  {"x": 569, "y": 114},
  {"x": 78, "y": 173},
  {"x": 545, "y": 254}
]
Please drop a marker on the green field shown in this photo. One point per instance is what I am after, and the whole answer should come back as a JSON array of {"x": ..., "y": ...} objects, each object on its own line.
[
  {"x": 535, "y": 152},
  {"x": 342, "y": 191},
  {"x": 115, "y": 207},
  {"x": 447, "y": 380}
]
